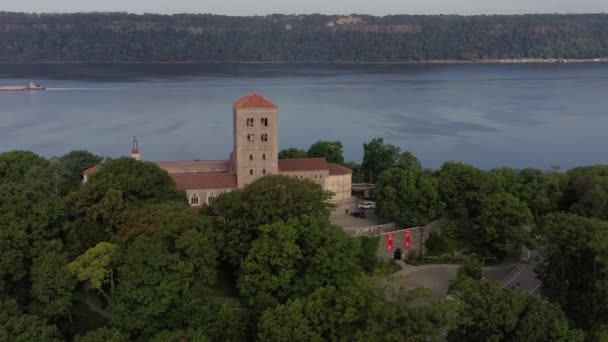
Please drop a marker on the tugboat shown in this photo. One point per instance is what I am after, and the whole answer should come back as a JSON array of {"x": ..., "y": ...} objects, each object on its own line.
[
  {"x": 31, "y": 86},
  {"x": 35, "y": 86}
]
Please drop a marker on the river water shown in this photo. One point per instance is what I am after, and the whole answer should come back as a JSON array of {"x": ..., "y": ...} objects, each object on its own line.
[{"x": 532, "y": 115}]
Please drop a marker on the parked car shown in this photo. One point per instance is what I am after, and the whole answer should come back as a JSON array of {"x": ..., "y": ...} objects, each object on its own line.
[
  {"x": 367, "y": 205},
  {"x": 360, "y": 215}
]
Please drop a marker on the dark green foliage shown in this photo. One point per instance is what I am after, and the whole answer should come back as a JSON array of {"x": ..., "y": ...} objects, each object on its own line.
[
  {"x": 330, "y": 150},
  {"x": 472, "y": 267},
  {"x": 21, "y": 166},
  {"x": 490, "y": 313},
  {"x": 368, "y": 259},
  {"x": 587, "y": 192},
  {"x": 195, "y": 38},
  {"x": 52, "y": 282},
  {"x": 407, "y": 194},
  {"x": 103, "y": 335},
  {"x": 136, "y": 180},
  {"x": 292, "y": 153},
  {"x": 462, "y": 188},
  {"x": 436, "y": 244},
  {"x": 377, "y": 158},
  {"x": 240, "y": 214},
  {"x": 71, "y": 167},
  {"x": 20, "y": 327},
  {"x": 295, "y": 259},
  {"x": 356, "y": 312},
  {"x": 574, "y": 267},
  {"x": 500, "y": 225}
]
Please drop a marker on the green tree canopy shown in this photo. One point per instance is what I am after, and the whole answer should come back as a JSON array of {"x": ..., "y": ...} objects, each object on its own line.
[
  {"x": 330, "y": 150},
  {"x": 96, "y": 266},
  {"x": 292, "y": 153},
  {"x": 72, "y": 166},
  {"x": 269, "y": 271},
  {"x": 574, "y": 266},
  {"x": 462, "y": 188},
  {"x": 103, "y": 335},
  {"x": 408, "y": 194},
  {"x": 19, "y": 327},
  {"x": 378, "y": 157},
  {"x": 499, "y": 224},
  {"x": 490, "y": 313},
  {"x": 52, "y": 283},
  {"x": 239, "y": 214}
]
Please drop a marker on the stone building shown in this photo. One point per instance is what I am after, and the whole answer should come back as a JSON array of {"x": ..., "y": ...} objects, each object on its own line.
[{"x": 254, "y": 155}]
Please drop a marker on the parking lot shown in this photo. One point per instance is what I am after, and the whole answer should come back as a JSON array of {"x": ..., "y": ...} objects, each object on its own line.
[{"x": 348, "y": 221}]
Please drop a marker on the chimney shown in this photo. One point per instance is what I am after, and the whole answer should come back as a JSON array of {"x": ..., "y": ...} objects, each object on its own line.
[{"x": 135, "y": 150}]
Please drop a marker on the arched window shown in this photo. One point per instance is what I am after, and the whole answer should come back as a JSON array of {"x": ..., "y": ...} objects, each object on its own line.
[
  {"x": 264, "y": 122},
  {"x": 250, "y": 137},
  {"x": 194, "y": 199},
  {"x": 263, "y": 157},
  {"x": 264, "y": 137},
  {"x": 251, "y": 172},
  {"x": 211, "y": 197},
  {"x": 251, "y": 157},
  {"x": 250, "y": 122}
]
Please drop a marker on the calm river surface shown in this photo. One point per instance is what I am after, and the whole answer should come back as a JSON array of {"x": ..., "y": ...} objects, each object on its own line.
[{"x": 487, "y": 115}]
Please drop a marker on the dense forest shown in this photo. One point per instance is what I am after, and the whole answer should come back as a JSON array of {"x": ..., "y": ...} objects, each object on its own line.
[
  {"x": 124, "y": 257},
  {"x": 122, "y": 37}
]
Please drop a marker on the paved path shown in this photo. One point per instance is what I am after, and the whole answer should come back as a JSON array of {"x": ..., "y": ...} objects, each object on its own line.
[{"x": 437, "y": 278}]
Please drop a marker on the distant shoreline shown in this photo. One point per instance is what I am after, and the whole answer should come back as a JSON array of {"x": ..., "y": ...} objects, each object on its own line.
[{"x": 435, "y": 61}]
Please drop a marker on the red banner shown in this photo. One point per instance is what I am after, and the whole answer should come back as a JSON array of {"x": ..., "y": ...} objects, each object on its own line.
[
  {"x": 389, "y": 242},
  {"x": 408, "y": 237}
]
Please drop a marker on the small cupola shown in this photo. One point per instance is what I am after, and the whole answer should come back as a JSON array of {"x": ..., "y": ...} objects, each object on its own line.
[{"x": 135, "y": 150}]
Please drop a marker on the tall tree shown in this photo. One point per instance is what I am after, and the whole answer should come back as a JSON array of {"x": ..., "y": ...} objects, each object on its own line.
[
  {"x": 408, "y": 194},
  {"x": 238, "y": 215},
  {"x": 490, "y": 313},
  {"x": 499, "y": 225},
  {"x": 574, "y": 266},
  {"x": 378, "y": 157},
  {"x": 52, "y": 282},
  {"x": 268, "y": 274},
  {"x": 96, "y": 266},
  {"x": 72, "y": 166},
  {"x": 330, "y": 150},
  {"x": 462, "y": 188}
]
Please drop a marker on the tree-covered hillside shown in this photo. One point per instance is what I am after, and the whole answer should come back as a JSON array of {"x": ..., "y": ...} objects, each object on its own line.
[{"x": 121, "y": 37}]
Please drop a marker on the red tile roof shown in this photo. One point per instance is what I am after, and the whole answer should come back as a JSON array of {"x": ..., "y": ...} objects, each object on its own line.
[
  {"x": 204, "y": 180},
  {"x": 254, "y": 100},
  {"x": 337, "y": 170},
  {"x": 92, "y": 170},
  {"x": 304, "y": 164}
]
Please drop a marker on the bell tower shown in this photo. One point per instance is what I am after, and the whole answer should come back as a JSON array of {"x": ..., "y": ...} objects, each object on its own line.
[{"x": 256, "y": 138}]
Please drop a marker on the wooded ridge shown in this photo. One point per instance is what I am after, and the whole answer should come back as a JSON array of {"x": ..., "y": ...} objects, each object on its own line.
[{"x": 123, "y": 37}]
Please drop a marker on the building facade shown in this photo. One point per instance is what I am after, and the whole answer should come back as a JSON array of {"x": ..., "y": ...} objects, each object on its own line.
[{"x": 255, "y": 155}]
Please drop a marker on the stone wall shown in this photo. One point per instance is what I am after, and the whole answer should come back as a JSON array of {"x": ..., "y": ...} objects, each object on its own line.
[{"x": 418, "y": 237}]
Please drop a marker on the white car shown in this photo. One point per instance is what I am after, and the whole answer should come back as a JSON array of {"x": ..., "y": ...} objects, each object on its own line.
[{"x": 367, "y": 205}]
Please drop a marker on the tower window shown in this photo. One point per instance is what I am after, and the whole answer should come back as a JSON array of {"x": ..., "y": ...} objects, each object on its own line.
[
  {"x": 250, "y": 137},
  {"x": 263, "y": 157},
  {"x": 264, "y": 122},
  {"x": 250, "y": 122},
  {"x": 251, "y": 157},
  {"x": 264, "y": 171},
  {"x": 251, "y": 172},
  {"x": 194, "y": 199},
  {"x": 265, "y": 137}
]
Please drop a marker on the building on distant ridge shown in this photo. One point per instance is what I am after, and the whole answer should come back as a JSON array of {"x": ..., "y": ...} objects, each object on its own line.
[{"x": 255, "y": 154}]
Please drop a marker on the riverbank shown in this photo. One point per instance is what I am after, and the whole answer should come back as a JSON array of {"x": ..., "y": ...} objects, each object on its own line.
[{"x": 432, "y": 61}]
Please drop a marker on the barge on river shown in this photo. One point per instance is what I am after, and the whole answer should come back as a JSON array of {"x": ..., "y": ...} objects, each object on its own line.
[{"x": 29, "y": 87}]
